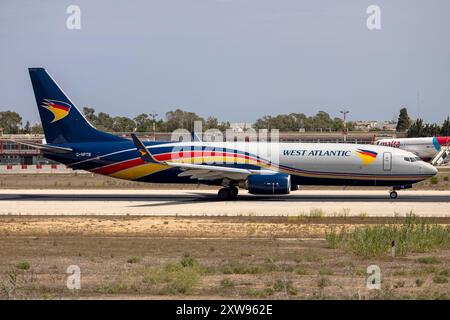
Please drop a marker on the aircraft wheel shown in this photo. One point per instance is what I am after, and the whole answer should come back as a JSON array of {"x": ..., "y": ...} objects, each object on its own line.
[
  {"x": 234, "y": 192},
  {"x": 224, "y": 194},
  {"x": 393, "y": 195}
]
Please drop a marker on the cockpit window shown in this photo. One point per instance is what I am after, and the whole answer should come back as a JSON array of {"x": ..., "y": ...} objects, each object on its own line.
[{"x": 412, "y": 159}]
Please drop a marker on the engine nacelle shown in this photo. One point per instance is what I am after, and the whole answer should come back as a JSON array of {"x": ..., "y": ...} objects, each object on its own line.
[{"x": 278, "y": 183}]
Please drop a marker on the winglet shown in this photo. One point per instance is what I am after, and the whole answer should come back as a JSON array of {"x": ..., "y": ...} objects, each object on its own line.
[{"x": 143, "y": 151}]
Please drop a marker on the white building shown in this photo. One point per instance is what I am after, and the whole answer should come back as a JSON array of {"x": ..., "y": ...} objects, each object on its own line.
[
  {"x": 240, "y": 126},
  {"x": 367, "y": 125}
]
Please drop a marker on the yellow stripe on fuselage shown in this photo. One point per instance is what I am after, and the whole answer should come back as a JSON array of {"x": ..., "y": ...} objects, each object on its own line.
[{"x": 139, "y": 171}]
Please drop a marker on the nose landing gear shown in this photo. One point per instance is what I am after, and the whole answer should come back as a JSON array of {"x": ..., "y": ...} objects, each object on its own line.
[
  {"x": 228, "y": 193},
  {"x": 393, "y": 193}
]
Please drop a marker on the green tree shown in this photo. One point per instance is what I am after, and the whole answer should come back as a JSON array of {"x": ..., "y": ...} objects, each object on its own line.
[
  {"x": 89, "y": 113},
  {"x": 27, "y": 128},
  {"x": 262, "y": 123},
  {"x": 322, "y": 120},
  {"x": 123, "y": 124},
  {"x": 419, "y": 129},
  {"x": 143, "y": 123},
  {"x": 445, "y": 128},
  {"x": 211, "y": 123},
  {"x": 10, "y": 122},
  {"x": 416, "y": 129},
  {"x": 338, "y": 124},
  {"x": 404, "y": 122},
  {"x": 37, "y": 129},
  {"x": 180, "y": 119},
  {"x": 296, "y": 121},
  {"x": 301, "y": 121},
  {"x": 432, "y": 130},
  {"x": 214, "y": 123},
  {"x": 159, "y": 125},
  {"x": 105, "y": 121}
]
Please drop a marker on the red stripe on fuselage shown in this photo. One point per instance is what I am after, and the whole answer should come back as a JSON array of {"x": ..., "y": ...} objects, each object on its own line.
[
  {"x": 119, "y": 166},
  {"x": 114, "y": 167},
  {"x": 194, "y": 154}
]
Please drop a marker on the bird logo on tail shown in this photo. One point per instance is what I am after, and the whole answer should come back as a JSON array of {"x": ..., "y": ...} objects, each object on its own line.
[{"x": 59, "y": 109}]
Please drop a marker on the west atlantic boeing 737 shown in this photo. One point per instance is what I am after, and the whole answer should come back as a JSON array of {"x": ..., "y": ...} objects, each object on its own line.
[{"x": 71, "y": 140}]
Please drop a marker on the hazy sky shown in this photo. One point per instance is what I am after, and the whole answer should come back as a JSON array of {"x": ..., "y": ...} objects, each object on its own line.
[{"x": 234, "y": 59}]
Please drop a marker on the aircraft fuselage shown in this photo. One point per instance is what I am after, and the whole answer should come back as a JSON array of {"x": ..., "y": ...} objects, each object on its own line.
[{"x": 307, "y": 163}]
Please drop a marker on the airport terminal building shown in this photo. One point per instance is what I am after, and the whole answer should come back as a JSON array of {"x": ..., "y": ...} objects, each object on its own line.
[{"x": 12, "y": 153}]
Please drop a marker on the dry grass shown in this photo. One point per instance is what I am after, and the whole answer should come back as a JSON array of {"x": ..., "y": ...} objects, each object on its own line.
[
  {"x": 412, "y": 235},
  {"x": 182, "y": 259}
]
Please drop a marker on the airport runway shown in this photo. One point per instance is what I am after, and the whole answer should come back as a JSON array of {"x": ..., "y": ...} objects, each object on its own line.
[{"x": 204, "y": 202}]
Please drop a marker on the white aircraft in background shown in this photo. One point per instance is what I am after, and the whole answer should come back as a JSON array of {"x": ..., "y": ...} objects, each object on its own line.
[{"x": 425, "y": 148}]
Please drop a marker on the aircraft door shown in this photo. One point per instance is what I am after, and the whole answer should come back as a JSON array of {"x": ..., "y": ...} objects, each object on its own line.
[{"x": 387, "y": 161}]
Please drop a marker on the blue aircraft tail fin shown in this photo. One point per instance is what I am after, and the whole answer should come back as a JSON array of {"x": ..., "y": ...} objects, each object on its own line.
[{"x": 61, "y": 120}]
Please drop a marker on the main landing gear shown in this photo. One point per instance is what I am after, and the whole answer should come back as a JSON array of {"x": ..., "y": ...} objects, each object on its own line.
[
  {"x": 393, "y": 194},
  {"x": 228, "y": 193}
]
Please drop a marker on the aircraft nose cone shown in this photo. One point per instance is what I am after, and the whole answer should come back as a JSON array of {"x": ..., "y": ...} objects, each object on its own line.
[{"x": 429, "y": 169}]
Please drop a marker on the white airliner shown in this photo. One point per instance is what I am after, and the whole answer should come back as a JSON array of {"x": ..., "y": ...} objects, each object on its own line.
[
  {"x": 425, "y": 148},
  {"x": 261, "y": 168}
]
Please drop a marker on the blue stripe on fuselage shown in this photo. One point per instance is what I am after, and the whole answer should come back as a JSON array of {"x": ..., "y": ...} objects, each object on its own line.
[{"x": 88, "y": 156}]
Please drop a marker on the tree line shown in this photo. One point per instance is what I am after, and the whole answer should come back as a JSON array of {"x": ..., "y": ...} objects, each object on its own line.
[
  {"x": 298, "y": 121},
  {"x": 11, "y": 123},
  {"x": 418, "y": 128},
  {"x": 178, "y": 119}
]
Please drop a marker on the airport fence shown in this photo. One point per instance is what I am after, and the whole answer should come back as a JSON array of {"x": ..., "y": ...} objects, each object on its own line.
[{"x": 37, "y": 169}]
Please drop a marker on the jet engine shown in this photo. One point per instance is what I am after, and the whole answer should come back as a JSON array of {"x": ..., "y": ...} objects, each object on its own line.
[{"x": 278, "y": 183}]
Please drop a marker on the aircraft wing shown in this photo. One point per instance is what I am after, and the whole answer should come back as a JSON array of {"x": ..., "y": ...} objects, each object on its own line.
[
  {"x": 45, "y": 147},
  {"x": 207, "y": 172},
  {"x": 198, "y": 171}
]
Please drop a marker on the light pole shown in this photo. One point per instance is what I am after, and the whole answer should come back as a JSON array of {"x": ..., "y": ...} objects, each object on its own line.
[
  {"x": 153, "y": 116},
  {"x": 344, "y": 112}
]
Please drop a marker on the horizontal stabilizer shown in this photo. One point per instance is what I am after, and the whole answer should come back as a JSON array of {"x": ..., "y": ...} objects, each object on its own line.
[{"x": 44, "y": 147}]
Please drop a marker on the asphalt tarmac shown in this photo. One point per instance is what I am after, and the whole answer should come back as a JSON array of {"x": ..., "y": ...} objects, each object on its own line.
[{"x": 205, "y": 203}]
